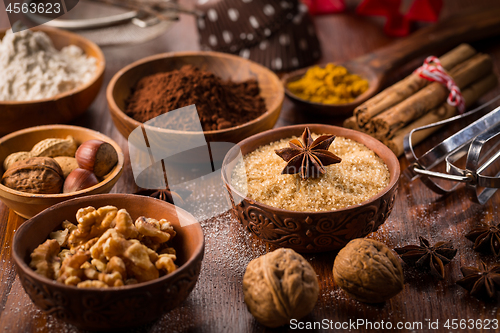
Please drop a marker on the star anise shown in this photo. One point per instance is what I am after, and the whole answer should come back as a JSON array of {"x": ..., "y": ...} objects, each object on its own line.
[
  {"x": 481, "y": 282},
  {"x": 166, "y": 195},
  {"x": 308, "y": 157},
  {"x": 426, "y": 256},
  {"x": 486, "y": 238}
]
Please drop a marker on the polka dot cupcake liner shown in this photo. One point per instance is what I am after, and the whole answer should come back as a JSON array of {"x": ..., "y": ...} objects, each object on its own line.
[
  {"x": 231, "y": 25},
  {"x": 294, "y": 46},
  {"x": 289, "y": 45}
]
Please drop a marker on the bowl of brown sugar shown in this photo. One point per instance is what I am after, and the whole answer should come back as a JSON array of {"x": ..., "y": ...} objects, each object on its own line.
[
  {"x": 234, "y": 97},
  {"x": 312, "y": 188}
]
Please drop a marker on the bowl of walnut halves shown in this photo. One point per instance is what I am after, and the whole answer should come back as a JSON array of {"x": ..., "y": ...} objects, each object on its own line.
[{"x": 109, "y": 261}]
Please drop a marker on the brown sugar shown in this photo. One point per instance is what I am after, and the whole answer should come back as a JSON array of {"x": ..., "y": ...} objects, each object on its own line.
[
  {"x": 220, "y": 104},
  {"x": 360, "y": 176}
]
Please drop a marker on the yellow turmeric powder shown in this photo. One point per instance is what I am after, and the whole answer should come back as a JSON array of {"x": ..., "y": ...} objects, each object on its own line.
[{"x": 330, "y": 85}]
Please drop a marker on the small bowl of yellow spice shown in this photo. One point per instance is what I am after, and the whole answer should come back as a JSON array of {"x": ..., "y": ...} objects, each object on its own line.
[{"x": 326, "y": 89}]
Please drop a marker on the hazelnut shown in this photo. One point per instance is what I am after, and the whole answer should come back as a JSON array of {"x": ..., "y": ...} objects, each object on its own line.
[
  {"x": 96, "y": 156},
  {"x": 368, "y": 271},
  {"x": 280, "y": 286},
  {"x": 79, "y": 179}
]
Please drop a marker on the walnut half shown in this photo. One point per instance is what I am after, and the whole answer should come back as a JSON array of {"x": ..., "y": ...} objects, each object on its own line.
[{"x": 368, "y": 271}]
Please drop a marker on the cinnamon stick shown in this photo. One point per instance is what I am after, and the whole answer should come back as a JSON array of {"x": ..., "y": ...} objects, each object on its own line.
[
  {"x": 471, "y": 94},
  {"x": 408, "y": 86},
  {"x": 430, "y": 97}
]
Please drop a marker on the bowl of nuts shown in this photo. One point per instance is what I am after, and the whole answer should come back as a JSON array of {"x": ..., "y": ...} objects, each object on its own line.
[
  {"x": 312, "y": 188},
  {"x": 109, "y": 261},
  {"x": 45, "y": 165}
]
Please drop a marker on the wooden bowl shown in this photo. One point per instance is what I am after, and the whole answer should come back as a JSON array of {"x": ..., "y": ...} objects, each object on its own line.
[
  {"x": 117, "y": 307},
  {"x": 312, "y": 231},
  {"x": 29, "y": 204},
  {"x": 224, "y": 65},
  {"x": 61, "y": 108},
  {"x": 332, "y": 110}
]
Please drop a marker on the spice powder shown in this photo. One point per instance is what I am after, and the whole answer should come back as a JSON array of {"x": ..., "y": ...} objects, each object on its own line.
[{"x": 360, "y": 176}]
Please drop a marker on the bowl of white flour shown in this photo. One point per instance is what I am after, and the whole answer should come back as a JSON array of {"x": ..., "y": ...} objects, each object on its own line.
[{"x": 47, "y": 76}]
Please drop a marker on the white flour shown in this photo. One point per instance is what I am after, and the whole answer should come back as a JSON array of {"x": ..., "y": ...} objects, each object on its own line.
[{"x": 31, "y": 68}]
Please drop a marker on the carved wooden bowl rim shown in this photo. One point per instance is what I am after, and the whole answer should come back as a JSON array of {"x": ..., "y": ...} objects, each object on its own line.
[{"x": 272, "y": 135}]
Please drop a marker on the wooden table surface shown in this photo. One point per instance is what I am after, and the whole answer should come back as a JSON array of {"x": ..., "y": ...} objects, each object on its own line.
[{"x": 216, "y": 304}]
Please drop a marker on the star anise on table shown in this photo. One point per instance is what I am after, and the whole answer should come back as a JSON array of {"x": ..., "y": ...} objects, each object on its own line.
[
  {"x": 308, "y": 157},
  {"x": 486, "y": 238},
  {"x": 166, "y": 195},
  {"x": 428, "y": 257},
  {"x": 481, "y": 282}
]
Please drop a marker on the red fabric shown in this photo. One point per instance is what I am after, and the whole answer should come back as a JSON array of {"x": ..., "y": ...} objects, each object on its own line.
[
  {"x": 325, "y": 6},
  {"x": 398, "y": 24}
]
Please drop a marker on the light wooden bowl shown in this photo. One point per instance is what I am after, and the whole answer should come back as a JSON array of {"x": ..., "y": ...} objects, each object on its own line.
[
  {"x": 223, "y": 65},
  {"x": 112, "y": 309},
  {"x": 61, "y": 108},
  {"x": 29, "y": 204}
]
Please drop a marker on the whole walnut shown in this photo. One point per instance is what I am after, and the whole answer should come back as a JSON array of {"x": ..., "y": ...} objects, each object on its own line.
[
  {"x": 368, "y": 271},
  {"x": 41, "y": 175},
  {"x": 280, "y": 286}
]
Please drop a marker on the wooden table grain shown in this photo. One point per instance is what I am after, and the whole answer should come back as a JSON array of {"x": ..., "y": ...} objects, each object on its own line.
[{"x": 216, "y": 304}]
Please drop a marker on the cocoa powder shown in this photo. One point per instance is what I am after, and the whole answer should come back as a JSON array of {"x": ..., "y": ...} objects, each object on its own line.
[{"x": 220, "y": 104}]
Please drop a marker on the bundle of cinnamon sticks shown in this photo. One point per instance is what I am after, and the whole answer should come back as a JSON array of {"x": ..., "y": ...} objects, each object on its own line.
[{"x": 414, "y": 101}]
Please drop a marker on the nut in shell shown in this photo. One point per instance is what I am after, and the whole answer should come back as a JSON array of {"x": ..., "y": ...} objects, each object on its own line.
[
  {"x": 67, "y": 164},
  {"x": 280, "y": 286},
  {"x": 15, "y": 157},
  {"x": 40, "y": 175},
  {"x": 53, "y": 147},
  {"x": 96, "y": 156},
  {"x": 368, "y": 271}
]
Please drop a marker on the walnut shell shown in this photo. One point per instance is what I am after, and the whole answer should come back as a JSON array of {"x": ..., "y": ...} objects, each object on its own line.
[
  {"x": 368, "y": 271},
  {"x": 41, "y": 175},
  {"x": 280, "y": 286}
]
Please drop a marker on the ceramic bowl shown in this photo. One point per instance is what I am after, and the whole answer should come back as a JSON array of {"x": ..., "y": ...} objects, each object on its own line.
[
  {"x": 61, "y": 108},
  {"x": 29, "y": 204},
  {"x": 118, "y": 307},
  {"x": 307, "y": 232},
  {"x": 224, "y": 65}
]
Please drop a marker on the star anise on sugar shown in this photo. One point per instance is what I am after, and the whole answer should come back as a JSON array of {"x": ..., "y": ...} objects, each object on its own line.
[
  {"x": 428, "y": 257},
  {"x": 481, "y": 282},
  {"x": 166, "y": 195},
  {"x": 486, "y": 238},
  {"x": 308, "y": 157}
]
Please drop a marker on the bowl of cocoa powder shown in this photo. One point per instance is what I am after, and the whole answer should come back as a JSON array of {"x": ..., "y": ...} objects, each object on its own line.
[{"x": 234, "y": 97}]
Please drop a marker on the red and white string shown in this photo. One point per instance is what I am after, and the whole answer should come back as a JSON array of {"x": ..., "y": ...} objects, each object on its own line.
[{"x": 433, "y": 71}]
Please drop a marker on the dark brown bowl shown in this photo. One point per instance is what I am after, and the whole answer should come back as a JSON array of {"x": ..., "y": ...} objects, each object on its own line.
[
  {"x": 307, "y": 232},
  {"x": 63, "y": 107},
  {"x": 118, "y": 307}
]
